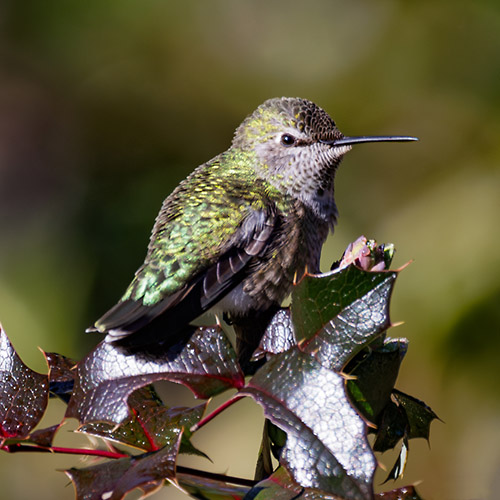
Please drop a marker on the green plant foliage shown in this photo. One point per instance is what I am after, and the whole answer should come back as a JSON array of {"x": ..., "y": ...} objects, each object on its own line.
[{"x": 326, "y": 381}]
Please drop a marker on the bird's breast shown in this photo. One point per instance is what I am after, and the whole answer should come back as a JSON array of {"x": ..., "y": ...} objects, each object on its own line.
[{"x": 294, "y": 249}]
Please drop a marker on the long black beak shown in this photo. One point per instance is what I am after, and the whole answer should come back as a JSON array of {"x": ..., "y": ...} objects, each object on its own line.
[{"x": 347, "y": 141}]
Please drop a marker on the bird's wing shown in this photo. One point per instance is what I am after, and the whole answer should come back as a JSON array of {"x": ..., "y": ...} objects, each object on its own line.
[{"x": 198, "y": 293}]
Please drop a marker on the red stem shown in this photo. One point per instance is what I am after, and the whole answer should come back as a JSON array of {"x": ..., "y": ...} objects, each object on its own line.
[
  {"x": 14, "y": 448},
  {"x": 216, "y": 412}
]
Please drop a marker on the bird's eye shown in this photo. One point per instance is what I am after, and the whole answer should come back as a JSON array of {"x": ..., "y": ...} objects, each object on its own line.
[{"x": 287, "y": 140}]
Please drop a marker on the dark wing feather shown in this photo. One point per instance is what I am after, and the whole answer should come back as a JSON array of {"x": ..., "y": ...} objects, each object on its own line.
[{"x": 132, "y": 323}]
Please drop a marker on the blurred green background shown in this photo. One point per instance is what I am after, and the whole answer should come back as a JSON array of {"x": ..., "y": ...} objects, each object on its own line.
[{"x": 106, "y": 105}]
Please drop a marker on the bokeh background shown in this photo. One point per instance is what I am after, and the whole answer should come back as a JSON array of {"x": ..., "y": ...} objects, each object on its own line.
[{"x": 106, "y": 106}]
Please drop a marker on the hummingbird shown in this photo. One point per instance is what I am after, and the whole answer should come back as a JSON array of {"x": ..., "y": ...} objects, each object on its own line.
[{"x": 241, "y": 229}]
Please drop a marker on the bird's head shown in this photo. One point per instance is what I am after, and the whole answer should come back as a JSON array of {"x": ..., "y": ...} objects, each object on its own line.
[{"x": 298, "y": 147}]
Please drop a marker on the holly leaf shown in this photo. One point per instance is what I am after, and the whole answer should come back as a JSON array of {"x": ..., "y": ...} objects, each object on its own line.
[
  {"x": 326, "y": 446},
  {"x": 393, "y": 426},
  {"x": 372, "y": 391},
  {"x": 111, "y": 480},
  {"x": 23, "y": 393},
  {"x": 404, "y": 418},
  {"x": 279, "y": 335},
  {"x": 329, "y": 295},
  {"x": 61, "y": 368},
  {"x": 374, "y": 374},
  {"x": 61, "y": 375},
  {"x": 210, "y": 489},
  {"x": 206, "y": 364},
  {"x": 152, "y": 424},
  {"x": 280, "y": 486},
  {"x": 43, "y": 437},
  {"x": 419, "y": 415},
  {"x": 336, "y": 314}
]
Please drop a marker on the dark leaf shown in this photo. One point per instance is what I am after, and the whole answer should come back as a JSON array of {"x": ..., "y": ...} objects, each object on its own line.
[
  {"x": 273, "y": 440},
  {"x": 61, "y": 368},
  {"x": 264, "y": 466},
  {"x": 404, "y": 417},
  {"x": 277, "y": 437},
  {"x": 152, "y": 425},
  {"x": 279, "y": 336},
  {"x": 418, "y": 413},
  {"x": 393, "y": 425},
  {"x": 23, "y": 393},
  {"x": 113, "y": 479},
  {"x": 375, "y": 373},
  {"x": 109, "y": 374},
  {"x": 279, "y": 486},
  {"x": 210, "y": 489},
  {"x": 43, "y": 437},
  {"x": 61, "y": 375},
  {"x": 326, "y": 445},
  {"x": 405, "y": 493},
  {"x": 336, "y": 314}
]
